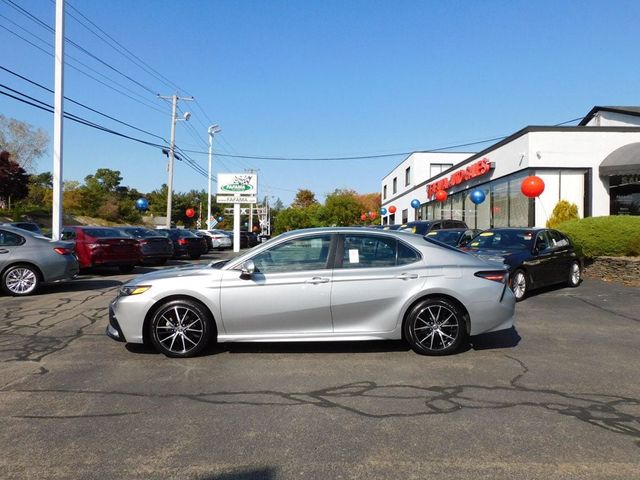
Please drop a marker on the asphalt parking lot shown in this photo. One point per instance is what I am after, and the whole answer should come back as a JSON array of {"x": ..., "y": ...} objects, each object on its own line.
[{"x": 559, "y": 397}]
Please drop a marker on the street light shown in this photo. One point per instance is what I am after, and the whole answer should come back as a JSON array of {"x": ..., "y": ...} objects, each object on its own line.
[{"x": 213, "y": 129}]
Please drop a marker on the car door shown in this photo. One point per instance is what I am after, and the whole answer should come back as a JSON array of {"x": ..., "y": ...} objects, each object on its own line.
[
  {"x": 289, "y": 292},
  {"x": 541, "y": 263},
  {"x": 373, "y": 276},
  {"x": 9, "y": 242},
  {"x": 563, "y": 255}
]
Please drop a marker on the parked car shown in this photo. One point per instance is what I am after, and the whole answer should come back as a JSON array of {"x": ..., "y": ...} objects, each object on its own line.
[
  {"x": 28, "y": 260},
  {"x": 185, "y": 243},
  {"x": 156, "y": 248},
  {"x": 219, "y": 238},
  {"x": 104, "y": 247},
  {"x": 392, "y": 227},
  {"x": 207, "y": 238},
  {"x": 536, "y": 257},
  {"x": 32, "y": 227},
  {"x": 328, "y": 284},
  {"x": 422, "y": 227},
  {"x": 247, "y": 239},
  {"x": 456, "y": 237}
]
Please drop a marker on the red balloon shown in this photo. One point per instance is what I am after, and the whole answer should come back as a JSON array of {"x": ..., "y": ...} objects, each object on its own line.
[
  {"x": 532, "y": 186},
  {"x": 392, "y": 209},
  {"x": 372, "y": 215},
  {"x": 190, "y": 212},
  {"x": 441, "y": 196},
  {"x": 363, "y": 217}
]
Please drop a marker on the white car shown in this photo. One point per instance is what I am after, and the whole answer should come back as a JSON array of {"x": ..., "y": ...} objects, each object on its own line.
[
  {"x": 319, "y": 285},
  {"x": 219, "y": 239}
]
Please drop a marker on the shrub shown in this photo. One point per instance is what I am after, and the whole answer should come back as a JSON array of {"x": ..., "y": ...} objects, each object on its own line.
[
  {"x": 562, "y": 212},
  {"x": 616, "y": 236}
]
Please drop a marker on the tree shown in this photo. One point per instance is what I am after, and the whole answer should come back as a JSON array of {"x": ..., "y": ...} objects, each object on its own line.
[
  {"x": 13, "y": 179},
  {"x": 341, "y": 208},
  {"x": 22, "y": 141},
  {"x": 104, "y": 179},
  {"x": 563, "y": 212},
  {"x": 41, "y": 191},
  {"x": 304, "y": 198},
  {"x": 293, "y": 218}
]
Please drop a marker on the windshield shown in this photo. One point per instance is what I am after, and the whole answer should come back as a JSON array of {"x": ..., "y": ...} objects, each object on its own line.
[
  {"x": 502, "y": 240},
  {"x": 445, "y": 236},
  {"x": 139, "y": 232},
  {"x": 104, "y": 232}
]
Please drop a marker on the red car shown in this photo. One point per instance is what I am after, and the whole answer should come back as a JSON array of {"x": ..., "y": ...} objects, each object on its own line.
[{"x": 104, "y": 246}]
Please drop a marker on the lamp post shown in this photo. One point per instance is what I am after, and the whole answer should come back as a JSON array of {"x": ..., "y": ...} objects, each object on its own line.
[{"x": 213, "y": 129}]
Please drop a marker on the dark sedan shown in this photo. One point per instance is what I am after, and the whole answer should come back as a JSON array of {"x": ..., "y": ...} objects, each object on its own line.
[
  {"x": 156, "y": 248},
  {"x": 422, "y": 227},
  {"x": 185, "y": 243},
  {"x": 456, "y": 237},
  {"x": 536, "y": 257}
]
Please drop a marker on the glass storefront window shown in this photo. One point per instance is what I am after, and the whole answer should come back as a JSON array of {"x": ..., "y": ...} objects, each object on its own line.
[
  {"x": 500, "y": 207},
  {"x": 518, "y": 203},
  {"x": 457, "y": 206}
]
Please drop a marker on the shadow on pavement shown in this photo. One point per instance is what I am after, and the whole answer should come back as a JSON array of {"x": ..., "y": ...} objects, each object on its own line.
[
  {"x": 501, "y": 339},
  {"x": 79, "y": 285},
  {"x": 267, "y": 473}
]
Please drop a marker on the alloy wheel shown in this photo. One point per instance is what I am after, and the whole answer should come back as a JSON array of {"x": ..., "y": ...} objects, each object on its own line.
[
  {"x": 179, "y": 330},
  {"x": 436, "y": 327},
  {"x": 574, "y": 275},
  {"x": 21, "y": 281},
  {"x": 519, "y": 285}
]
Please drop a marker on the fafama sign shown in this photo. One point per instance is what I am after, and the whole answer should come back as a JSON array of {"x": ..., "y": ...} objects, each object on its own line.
[{"x": 237, "y": 188}]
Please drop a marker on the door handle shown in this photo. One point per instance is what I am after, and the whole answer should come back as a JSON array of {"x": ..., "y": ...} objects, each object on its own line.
[
  {"x": 2, "y": 250},
  {"x": 316, "y": 280},
  {"x": 407, "y": 276}
]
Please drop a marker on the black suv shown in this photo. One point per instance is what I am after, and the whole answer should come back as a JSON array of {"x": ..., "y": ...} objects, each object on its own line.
[{"x": 422, "y": 227}]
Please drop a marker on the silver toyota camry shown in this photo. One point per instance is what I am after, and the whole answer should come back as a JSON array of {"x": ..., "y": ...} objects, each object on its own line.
[{"x": 319, "y": 285}]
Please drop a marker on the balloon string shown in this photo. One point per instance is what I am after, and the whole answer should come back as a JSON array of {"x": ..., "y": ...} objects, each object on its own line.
[{"x": 546, "y": 216}]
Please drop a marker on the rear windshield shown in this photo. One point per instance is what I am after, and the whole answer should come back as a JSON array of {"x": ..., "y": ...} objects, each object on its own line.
[
  {"x": 445, "y": 236},
  {"x": 104, "y": 233},
  {"x": 502, "y": 240},
  {"x": 139, "y": 232}
]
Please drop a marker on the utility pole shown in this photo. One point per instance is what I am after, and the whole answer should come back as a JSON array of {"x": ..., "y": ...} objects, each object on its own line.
[
  {"x": 213, "y": 129},
  {"x": 172, "y": 146},
  {"x": 58, "y": 111}
]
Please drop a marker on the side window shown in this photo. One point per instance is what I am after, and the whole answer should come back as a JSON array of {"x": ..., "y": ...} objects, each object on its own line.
[
  {"x": 406, "y": 254},
  {"x": 558, "y": 240},
  {"x": 299, "y": 254},
  {"x": 368, "y": 251},
  {"x": 436, "y": 226},
  {"x": 542, "y": 241},
  {"x": 10, "y": 239}
]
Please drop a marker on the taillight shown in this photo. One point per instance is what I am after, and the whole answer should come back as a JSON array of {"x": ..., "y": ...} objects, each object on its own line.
[
  {"x": 499, "y": 276},
  {"x": 143, "y": 242},
  {"x": 63, "y": 251},
  {"x": 182, "y": 241}
]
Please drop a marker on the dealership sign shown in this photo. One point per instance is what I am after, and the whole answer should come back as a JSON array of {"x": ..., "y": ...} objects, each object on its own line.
[
  {"x": 474, "y": 170},
  {"x": 237, "y": 184}
]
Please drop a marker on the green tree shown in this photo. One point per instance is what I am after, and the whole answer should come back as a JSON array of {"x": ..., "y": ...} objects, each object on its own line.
[
  {"x": 293, "y": 218},
  {"x": 40, "y": 191},
  {"x": 22, "y": 141},
  {"x": 341, "y": 209},
  {"x": 562, "y": 212},
  {"x": 104, "y": 180}
]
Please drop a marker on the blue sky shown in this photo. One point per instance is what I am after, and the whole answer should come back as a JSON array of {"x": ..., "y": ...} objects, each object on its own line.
[{"x": 321, "y": 79}]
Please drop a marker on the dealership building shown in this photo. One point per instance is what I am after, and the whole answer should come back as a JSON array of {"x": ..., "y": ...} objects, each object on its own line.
[{"x": 595, "y": 165}]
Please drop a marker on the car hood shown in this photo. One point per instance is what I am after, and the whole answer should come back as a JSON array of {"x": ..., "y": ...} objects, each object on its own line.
[{"x": 187, "y": 271}]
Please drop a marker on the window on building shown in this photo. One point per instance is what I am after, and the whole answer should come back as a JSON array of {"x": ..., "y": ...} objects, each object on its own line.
[
  {"x": 437, "y": 168},
  {"x": 407, "y": 176},
  {"x": 395, "y": 185},
  {"x": 384, "y": 192},
  {"x": 405, "y": 215}
]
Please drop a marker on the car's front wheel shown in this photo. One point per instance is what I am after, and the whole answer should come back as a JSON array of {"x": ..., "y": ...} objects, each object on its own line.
[
  {"x": 519, "y": 285},
  {"x": 435, "y": 326},
  {"x": 575, "y": 275},
  {"x": 20, "y": 280},
  {"x": 180, "y": 328}
]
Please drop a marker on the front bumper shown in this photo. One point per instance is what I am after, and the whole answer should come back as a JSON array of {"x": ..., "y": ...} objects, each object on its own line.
[{"x": 113, "y": 328}]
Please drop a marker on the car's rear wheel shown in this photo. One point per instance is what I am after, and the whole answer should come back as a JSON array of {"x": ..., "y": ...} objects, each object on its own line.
[
  {"x": 519, "y": 284},
  {"x": 435, "y": 327},
  {"x": 20, "y": 280},
  {"x": 180, "y": 328},
  {"x": 575, "y": 275}
]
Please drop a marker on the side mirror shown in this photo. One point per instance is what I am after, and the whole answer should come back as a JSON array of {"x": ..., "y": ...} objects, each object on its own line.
[{"x": 248, "y": 268}]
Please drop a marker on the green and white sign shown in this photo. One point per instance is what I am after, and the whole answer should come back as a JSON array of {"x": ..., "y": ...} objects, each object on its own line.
[{"x": 235, "y": 184}]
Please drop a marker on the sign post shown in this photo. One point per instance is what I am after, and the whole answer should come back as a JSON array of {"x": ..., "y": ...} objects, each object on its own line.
[{"x": 237, "y": 188}]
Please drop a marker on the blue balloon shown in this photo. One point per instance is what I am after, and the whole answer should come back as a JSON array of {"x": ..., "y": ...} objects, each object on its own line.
[
  {"x": 383, "y": 211},
  {"x": 415, "y": 203},
  {"x": 220, "y": 219},
  {"x": 142, "y": 204},
  {"x": 477, "y": 197}
]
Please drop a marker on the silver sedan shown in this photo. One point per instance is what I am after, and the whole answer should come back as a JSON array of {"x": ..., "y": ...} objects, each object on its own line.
[
  {"x": 28, "y": 259},
  {"x": 319, "y": 285}
]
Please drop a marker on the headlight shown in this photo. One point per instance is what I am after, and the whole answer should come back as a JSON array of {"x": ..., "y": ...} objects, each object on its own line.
[{"x": 133, "y": 290}]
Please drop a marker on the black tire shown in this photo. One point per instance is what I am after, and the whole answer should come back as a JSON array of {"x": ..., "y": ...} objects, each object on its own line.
[
  {"x": 126, "y": 268},
  {"x": 161, "y": 261},
  {"x": 20, "y": 280},
  {"x": 575, "y": 274},
  {"x": 435, "y": 326},
  {"x": 519, "y": 284},
  {"x": 180, "y": 323},
  {"x": 195, "y": 256}
]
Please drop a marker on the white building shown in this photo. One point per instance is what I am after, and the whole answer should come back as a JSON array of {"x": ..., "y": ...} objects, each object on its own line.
[{"x": 595, "y": 165}]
